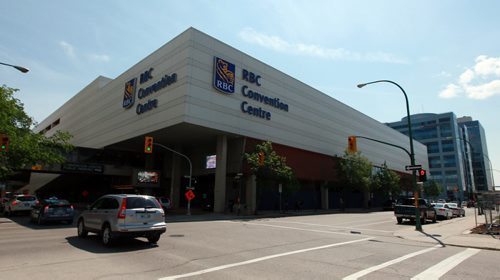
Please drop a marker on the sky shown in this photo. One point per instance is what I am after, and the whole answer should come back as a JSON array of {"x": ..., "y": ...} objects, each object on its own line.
[{"x": 445, "y": 54}]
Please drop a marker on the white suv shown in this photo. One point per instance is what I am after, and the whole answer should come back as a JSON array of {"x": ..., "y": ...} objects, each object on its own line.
[
  {"x": 117, "y": 215},
  {"x": 20, "y": 203}
]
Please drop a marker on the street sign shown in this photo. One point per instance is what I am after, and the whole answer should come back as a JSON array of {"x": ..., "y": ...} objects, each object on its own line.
[
  {"x": 413, "y": 167},
  {"x": 189, "y": 195}
]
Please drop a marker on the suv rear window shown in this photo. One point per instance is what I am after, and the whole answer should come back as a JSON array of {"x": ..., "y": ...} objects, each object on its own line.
[
  {"x": 26, "y": 198},
  {"x": 142, "y": 202}
]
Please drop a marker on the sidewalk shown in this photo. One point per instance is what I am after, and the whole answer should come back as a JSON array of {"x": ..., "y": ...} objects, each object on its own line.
[{"x": 454, "y": 232}]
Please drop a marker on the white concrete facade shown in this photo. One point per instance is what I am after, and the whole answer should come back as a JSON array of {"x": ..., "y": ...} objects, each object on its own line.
[{"x": 313, "y": 120}]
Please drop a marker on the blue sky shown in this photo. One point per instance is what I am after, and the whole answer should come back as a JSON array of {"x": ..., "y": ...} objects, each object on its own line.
[{"x": 445, "y": 54}]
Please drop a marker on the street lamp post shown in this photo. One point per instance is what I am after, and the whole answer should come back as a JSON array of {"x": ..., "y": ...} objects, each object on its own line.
[
  {"x": 20, "y": 68},
  {"x": 418, "y": 225}
]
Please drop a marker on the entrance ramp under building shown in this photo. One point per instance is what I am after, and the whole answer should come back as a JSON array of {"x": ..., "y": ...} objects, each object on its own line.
[{"x": 37, "y": 181}]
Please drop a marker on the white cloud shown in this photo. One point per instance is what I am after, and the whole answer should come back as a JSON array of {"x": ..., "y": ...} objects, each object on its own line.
[
  {"x": 486, "y": 66},
  {"x": 466, "y": 77},
  {"x": 278, "y": 44},
  {"x": 68, "y": 49},
  {"x": 99, "y": 57},
  {"x": 450, "y": 91},
  {"x": 483, "y": 91},
  {"x": 479, "y": 82}
]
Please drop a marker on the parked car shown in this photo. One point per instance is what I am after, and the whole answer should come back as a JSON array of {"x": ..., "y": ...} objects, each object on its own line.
[
  {"x": 19, "y": 203},
  {"x": 165, "y": 203},
  {"x": 443, "y": 211},
  {"x": 52, "y": 209},
  {"x": 123, "y": 215},
  {"x": 457, "y": 210}
]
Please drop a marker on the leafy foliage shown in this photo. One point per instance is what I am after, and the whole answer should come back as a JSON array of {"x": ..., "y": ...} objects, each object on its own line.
[
  {"x": 432, "y": 188},
  {"x": 386, "y": 182},
  {"x": 355, "y": 171},
  {"x": 26, "y": 148},
  {"x": 273, "y": 166}
]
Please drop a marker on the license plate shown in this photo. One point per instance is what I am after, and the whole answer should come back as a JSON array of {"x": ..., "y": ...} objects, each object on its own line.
[
  {"x": 26, "y": 205},
  {"x": 145, "y": 216}
]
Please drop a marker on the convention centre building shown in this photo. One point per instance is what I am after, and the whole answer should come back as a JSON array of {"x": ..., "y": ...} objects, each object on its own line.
[{"x": 205, "y": 104}]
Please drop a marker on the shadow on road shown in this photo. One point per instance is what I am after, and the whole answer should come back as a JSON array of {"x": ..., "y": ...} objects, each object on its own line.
[{"x": 92, "y": 244}]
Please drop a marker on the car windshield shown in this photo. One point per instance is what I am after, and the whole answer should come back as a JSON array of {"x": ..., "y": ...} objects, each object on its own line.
[
  {"x": 26, "y": 198},
  {"x": 439, "y": 205},
  {"x": 454, "y": 205},
  {"x": 56, "y": 201},
  {"x": 141, "y": 202}
]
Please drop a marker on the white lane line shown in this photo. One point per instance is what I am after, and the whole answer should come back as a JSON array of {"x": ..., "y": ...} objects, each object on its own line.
[
  {"x": 259, "y": 260},
  {"x": 303, "y": 229},
  {"x": 446, "y": 265},
  {"x": 386, "y": 264},
  {"x": 339, "y": 227}
]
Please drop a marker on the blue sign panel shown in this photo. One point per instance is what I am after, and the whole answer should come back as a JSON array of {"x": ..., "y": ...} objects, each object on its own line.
[
  {"x": 224, "y": 75},
  {"x": 129, "y": 93}
]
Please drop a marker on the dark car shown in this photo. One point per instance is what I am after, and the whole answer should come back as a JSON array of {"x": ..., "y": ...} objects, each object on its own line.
[{"x": 52, "y": 209}]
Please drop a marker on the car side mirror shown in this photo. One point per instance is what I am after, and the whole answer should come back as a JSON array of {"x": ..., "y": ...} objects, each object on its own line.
[{"x": 88, "y": 207}]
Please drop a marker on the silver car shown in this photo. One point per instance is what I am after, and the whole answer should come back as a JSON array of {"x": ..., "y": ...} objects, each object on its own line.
[{"x": 123, "y": 215}]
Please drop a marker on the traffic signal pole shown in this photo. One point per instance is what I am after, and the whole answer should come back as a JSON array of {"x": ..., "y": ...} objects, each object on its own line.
[
  {"x": 190, "y": 171},
  {"x": 418, "y": 225}
]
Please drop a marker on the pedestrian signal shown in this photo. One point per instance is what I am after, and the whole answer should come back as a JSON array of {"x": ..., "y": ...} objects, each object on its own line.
[{"x": 422, "y": 175}]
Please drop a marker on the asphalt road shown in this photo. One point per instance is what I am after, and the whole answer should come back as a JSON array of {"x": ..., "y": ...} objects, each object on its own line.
[{"x": 333, "y": 246}]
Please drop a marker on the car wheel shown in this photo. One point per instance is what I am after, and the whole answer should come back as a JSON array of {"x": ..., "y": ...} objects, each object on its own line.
[
  {"x": 106, "y": 236},
  {"x": 434, "y": 219},
  {"x": 153, "y": 238},
  {"x": 400, "y": 220},
  {"x": 423, "y": 219},
  {"x": 82, "y": 232},
  {"x": 463, "y": 215},
  {"x": 7, "y": 212}
]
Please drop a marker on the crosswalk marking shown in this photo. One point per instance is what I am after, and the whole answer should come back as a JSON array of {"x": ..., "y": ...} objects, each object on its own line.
[
  {"x": 260, "y": 259},
  {"x": 446, "y": 265},
  {"x": 386, "y": 264}
]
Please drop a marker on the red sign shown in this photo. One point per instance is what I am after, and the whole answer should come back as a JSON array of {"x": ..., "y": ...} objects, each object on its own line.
[{"x": 189, "y": 195}]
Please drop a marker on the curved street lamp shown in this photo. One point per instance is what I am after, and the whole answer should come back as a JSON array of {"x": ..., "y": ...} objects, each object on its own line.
[
  {"x": 20, "y": 68},
  {"x": 418, "y": 225}
]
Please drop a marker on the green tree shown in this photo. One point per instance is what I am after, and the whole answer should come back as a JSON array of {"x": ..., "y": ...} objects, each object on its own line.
[
  {"x": 26, "y": 148},
  {"x": 386, "y": 181},
  {"x": 270, "y": 169},
  {"x": 355, "y": 174},
  {"x": 432, "y": 188}
]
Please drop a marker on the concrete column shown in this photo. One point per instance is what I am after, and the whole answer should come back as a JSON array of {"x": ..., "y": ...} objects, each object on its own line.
[
  {"x": 220, "y": 175},
  {"x": 175, "y": 181},
  {"x": 324, "y": 198},
  {"x": 251, "y": 195}
]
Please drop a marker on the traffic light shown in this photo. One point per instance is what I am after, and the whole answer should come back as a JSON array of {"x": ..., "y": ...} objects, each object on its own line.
[
  {"x": 4, "y": 143},
  {"x": 352, "y": 147},
  {"x": 148, "y": 145},
  {"x": 262, "y": 157},
  {"x": 422, "y": 175}
]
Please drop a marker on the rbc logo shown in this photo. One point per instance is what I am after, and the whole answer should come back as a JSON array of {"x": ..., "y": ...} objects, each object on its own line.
[
  {"x": 129, "y": 93},
  {"x": 224, "y": 75}
]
